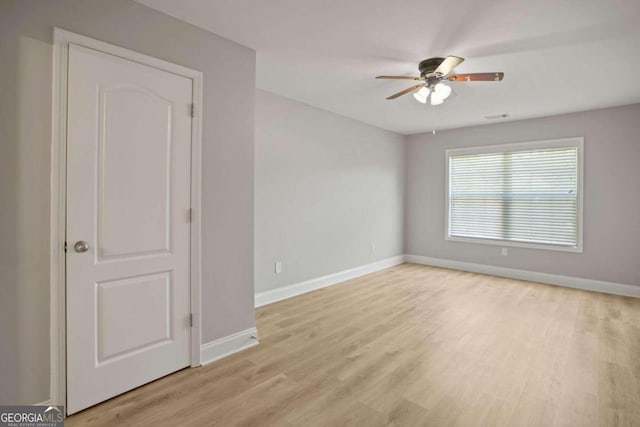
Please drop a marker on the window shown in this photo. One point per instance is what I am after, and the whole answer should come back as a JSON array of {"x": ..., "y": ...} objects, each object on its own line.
[{"x": 527, "y": 194}]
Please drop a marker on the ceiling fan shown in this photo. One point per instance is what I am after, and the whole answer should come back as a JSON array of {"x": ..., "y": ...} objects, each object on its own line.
[{"x": 433, "y": 72}]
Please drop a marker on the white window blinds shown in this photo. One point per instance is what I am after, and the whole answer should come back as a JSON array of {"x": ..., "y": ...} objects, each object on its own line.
[{"x": 525, "y": 194}]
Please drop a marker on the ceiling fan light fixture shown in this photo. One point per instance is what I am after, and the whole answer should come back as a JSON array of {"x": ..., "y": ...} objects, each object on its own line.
[
  {"x": 442, "y": 90},
  {"x": 433, "y": 72},
  {"x": 436, "y": 99},
  {"x": 422, "y": 95}
]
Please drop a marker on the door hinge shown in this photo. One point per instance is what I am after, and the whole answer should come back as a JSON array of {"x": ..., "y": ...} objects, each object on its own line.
[
  {"x": 191, "y": 320},
  {"x": 65, "y": 247},
  {"x": 192, "y": 109},
  {"x": 190, "y": 215}
]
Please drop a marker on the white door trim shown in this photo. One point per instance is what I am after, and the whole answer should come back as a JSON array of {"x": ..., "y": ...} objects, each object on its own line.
[{"x": 61, "y": 40}]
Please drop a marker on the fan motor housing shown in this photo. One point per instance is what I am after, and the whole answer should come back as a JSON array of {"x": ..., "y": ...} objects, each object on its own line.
[{"x": 428, "y": 66}]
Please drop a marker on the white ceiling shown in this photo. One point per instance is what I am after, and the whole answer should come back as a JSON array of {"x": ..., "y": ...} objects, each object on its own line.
[{"x": 558, "y": 56}]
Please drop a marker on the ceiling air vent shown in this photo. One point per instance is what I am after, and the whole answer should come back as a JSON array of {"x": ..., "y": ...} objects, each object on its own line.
[{"x": 497, "y": 116}]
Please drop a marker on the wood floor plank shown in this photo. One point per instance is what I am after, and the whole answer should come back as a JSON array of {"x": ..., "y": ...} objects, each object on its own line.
[{"x": 413, "y": 345}]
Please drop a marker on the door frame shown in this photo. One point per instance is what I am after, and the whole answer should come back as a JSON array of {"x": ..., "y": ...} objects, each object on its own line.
[{"x": 61, "y": 40}]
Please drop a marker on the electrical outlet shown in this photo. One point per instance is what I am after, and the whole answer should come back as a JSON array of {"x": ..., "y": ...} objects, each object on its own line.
[
  {"x": 278, "y": 267},
  {"x": 504, "y": 252},
  {"x": 372, "y": 247}
]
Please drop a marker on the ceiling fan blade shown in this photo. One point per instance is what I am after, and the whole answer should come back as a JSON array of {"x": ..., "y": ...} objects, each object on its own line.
[
  {"x": 399, "y": 77},
  {"x": 404, "y": 92},
  {"x": 476, "y": 77},
  {"x": 449, "y": 63}
]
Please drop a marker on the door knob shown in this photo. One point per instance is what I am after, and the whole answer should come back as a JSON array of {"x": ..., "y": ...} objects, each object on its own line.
[{"x": 81, "y": 246}]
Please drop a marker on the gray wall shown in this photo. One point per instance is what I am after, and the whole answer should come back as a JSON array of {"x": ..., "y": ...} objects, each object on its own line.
[
  {"x": 611, "y": 194},
  {"x": 26, "y": 29},
  {"x": 326, "y": 188}
]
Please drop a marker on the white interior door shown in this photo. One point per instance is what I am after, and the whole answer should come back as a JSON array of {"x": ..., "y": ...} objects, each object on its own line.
[{"x": 128, "y": 225}]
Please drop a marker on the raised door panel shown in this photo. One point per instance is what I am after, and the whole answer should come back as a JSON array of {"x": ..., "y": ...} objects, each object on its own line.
[
  {"x": 134, "y": 173},
  {"x": 122, "y": 328}
]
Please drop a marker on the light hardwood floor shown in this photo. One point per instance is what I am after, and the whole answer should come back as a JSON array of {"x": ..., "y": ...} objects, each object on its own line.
[{"x": 413, "y": 345}]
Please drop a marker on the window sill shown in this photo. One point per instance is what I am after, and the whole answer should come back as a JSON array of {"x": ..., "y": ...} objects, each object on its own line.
[{"x": 509, "y": 243}]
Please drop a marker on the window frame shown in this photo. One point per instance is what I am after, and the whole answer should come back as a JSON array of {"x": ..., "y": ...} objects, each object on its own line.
[{"x": 577, "y": 142}]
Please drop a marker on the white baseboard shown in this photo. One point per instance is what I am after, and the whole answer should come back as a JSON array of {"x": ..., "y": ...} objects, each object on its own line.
[
  {"x": 45, "y": 403},
  {"x": 228, "y": 345},
  {"x": 533, "y": 276},
  {"x": 278, "y": 294}
]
